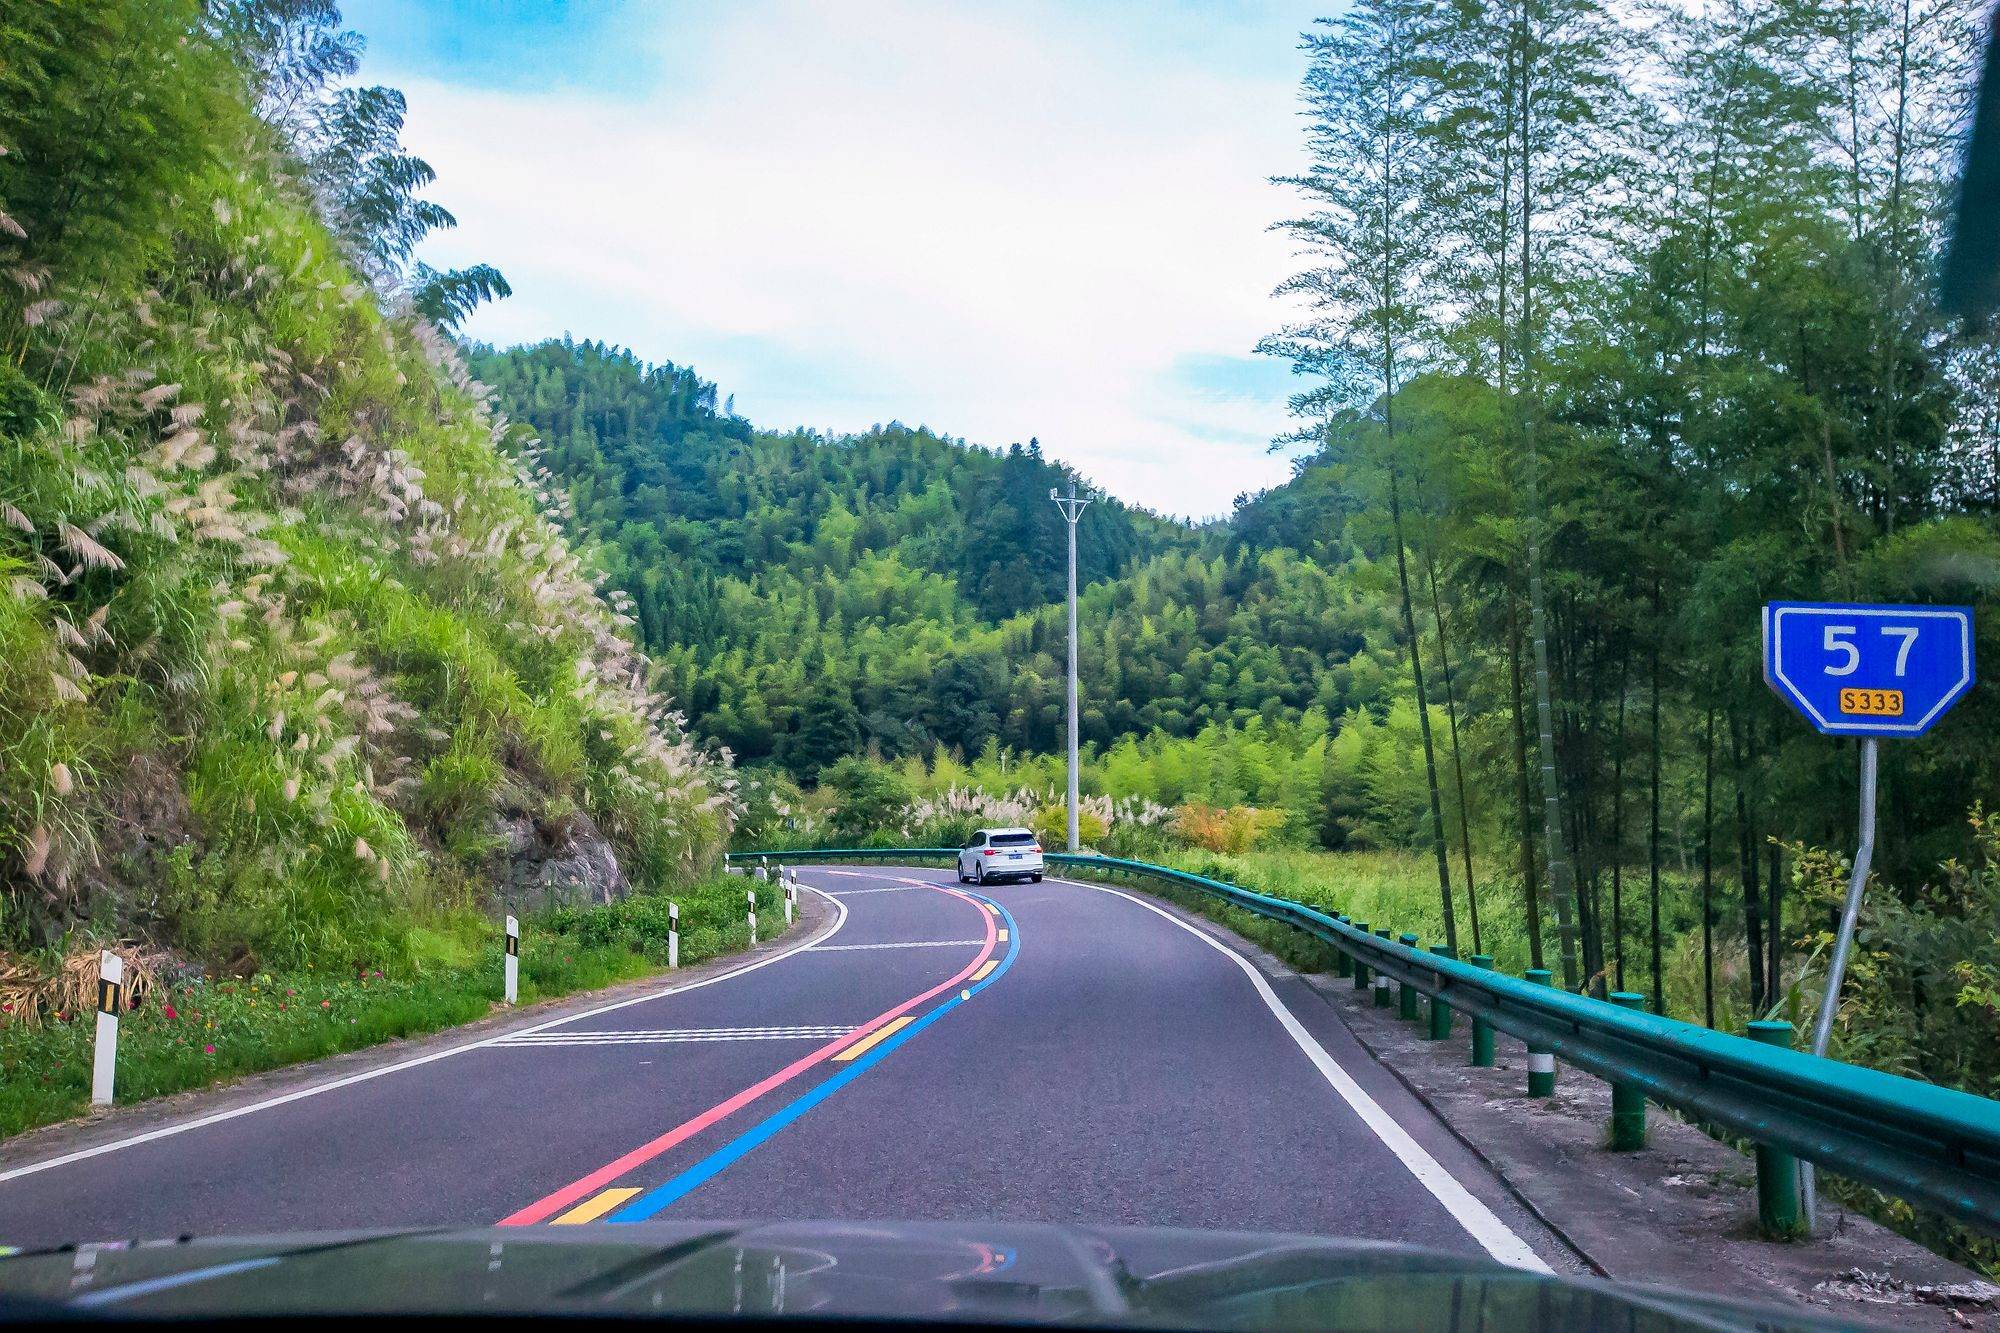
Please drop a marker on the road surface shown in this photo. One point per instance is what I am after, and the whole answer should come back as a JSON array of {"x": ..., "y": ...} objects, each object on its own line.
[{"x": 1061, "y": 1052}]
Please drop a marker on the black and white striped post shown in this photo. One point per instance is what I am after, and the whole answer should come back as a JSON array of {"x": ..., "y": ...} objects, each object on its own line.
[
  {"x": 513, "y": 963},
  {"x": 791, "y": 878},
  {"x": 673, "y": 935},
  {"x": 751, "y": 894},
  {"x": 110, "y": 1003}
]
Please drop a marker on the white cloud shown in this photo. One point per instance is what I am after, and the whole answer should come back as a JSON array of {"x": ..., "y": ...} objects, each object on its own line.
[{"x": 998, "y": 225}]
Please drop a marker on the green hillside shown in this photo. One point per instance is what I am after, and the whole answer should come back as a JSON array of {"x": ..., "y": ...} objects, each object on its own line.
[
  {"x": 292, "y": 665},
  {"x": 899, "y": 591}
]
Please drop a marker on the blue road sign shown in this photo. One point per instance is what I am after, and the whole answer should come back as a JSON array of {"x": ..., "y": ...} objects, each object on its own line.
[{"x": 1868, "y": 670}]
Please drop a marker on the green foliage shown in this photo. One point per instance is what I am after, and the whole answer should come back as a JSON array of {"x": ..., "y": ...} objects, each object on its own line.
[
  {"x": 281, "y": 631},
  {"x": 195, "y": 1032},
  {"x": 867, "y": 798}
]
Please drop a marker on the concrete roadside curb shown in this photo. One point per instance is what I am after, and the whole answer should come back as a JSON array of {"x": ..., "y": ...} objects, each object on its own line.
[{"x": 107, "y": 1125}]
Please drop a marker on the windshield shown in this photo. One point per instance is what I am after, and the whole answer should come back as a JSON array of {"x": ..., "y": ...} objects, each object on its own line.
[{"x": 1174, "y": 653}]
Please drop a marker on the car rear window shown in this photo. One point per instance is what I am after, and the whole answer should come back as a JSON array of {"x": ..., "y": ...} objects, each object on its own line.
[{"x": 1013, "y": 839}]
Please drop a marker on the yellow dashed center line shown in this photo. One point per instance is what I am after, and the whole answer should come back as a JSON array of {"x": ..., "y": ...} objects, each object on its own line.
[
  {"x": 861, "y": 1047},
  {"x": 983, "y": 972},
  {"x": 1003, "y": 935},
  {"x": 592, "y": 1209}
]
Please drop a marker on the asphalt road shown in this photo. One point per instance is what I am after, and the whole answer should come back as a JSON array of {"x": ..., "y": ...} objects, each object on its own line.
[{"x": 1038, "y": 1052}]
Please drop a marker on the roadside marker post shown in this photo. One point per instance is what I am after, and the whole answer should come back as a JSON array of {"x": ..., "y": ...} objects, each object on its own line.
[
  {"x": 513, "y": 963},
  {"x": 1865, "y": 670},
  {"x": 110, "y": 1003},
  {"x": 1628, "y": 1103},
  {"x": 1440, "y": 1027},
  {"x": 1482, "y": 1031},
  {"x": 751, "y": 895},
  {"x": 1541, "y": 1061},
  {"x": 673, "y": 935},
  {"x": 791, "y": 895},
  {"x": 1406, "y": 994}
]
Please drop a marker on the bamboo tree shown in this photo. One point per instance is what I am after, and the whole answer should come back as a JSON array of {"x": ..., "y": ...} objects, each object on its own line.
[
  {"x": 1457, "y": 760},
  {"x": 1370, "y": 97}
]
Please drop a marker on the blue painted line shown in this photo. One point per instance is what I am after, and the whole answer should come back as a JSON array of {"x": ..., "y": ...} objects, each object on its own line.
[{"x": 708, "y": 1168}]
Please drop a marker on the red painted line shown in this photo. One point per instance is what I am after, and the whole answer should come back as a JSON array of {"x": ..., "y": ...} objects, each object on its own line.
[{"x": 551, "y": 1204}]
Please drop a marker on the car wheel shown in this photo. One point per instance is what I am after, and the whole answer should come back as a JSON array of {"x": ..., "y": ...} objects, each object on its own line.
[
  {"x": 978, "y": 873},
  {"x": 1035, "y": 878}
]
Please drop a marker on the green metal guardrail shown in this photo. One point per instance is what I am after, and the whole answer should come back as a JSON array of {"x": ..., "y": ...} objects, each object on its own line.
[{"x": 1930, "y": 1145}]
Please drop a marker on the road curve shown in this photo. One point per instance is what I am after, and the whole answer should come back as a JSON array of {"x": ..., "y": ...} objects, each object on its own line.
[{"x": 1039, "y": 1052}]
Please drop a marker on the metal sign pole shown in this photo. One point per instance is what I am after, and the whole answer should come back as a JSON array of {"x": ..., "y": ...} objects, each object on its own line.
[
  {"x": 1843, "y": 943},
  {"x": 1072, "y": 506}
]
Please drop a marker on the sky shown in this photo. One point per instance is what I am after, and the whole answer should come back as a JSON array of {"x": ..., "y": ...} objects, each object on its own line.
[{"x": 997, "y": 220}]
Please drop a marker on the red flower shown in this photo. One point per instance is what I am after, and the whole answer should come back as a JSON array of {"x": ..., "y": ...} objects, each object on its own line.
[
  {"x": 208, "y": 1050},
  {"x": 170, "y": 1011},
  {"x": 326, "y": 1004}
]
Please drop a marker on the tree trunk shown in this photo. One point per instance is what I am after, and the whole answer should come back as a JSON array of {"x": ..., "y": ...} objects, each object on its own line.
[
  {"x": 1561, "y": 887},
  {"x": 1423, "y": 712},
  {"x": 1618, "y": 833},
  {"x": 1746, "y": 861},
  {"x": 1708, "y": 870},
  {"x": 1530, "y": 891},
  {"x": 1653, "y": 841},
  {"x": 1457, "y": 763}
]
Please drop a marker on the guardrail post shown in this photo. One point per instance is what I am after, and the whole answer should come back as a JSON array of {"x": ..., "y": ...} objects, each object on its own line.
[
  {"x": 1406, "y": 994},
  {"x": 1342, "y": 964},
  {"x": 1482, "y": 1031},
  {"x": 1777, "y": 1170},
  {"x": 1440, "y": 1027},
  {"x": 1628, "y": 1104},
  {"x": 1382, "y": 998},
  {"x": 1541, "y": 1060},
  {"x": 1361, "y": 981}
]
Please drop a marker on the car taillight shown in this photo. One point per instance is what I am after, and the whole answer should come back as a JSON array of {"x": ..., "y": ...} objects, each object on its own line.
[
  {"x": 1036, "y": 849},
  {"x": 987, "y": 852}
]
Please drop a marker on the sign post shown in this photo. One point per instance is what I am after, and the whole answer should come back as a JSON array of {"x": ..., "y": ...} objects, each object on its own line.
[
  {"x": 511, "y": 968},
  {"x": 110, "y": 1004},
  {"x": 1867, "y": 671}
]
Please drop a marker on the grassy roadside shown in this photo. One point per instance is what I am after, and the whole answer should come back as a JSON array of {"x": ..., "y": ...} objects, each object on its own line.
[{"x": 192, "y": 1034}]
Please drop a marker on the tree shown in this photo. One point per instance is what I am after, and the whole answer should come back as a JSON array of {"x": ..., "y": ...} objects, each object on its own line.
[
  {"x": 348, "y": 140},
  {"x": 869, "y": 799},
  {"x": 1370, "y": 104}
]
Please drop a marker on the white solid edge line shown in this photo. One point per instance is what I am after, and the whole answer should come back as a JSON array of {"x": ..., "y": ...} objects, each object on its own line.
[
  {"x": 1498, "y": 1239},
  {"x": 201, "y": 1122}
]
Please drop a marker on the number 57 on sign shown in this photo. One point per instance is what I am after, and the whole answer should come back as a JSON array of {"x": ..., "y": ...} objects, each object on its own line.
[{"x": 1857, "y": 670}]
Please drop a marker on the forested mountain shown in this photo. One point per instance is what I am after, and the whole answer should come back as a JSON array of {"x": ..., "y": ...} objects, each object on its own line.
[{"x": 814, "y": 596}]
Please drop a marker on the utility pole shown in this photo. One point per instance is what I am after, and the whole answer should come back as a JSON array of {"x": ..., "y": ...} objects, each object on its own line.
[{"x": 1072, "y": 506}]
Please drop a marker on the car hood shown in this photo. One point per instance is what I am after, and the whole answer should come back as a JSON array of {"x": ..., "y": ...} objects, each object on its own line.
[{"x": 985, "y": 1273}]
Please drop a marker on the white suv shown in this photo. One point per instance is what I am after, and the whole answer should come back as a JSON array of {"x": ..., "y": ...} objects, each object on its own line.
[{"x": 1001, "y": 853}]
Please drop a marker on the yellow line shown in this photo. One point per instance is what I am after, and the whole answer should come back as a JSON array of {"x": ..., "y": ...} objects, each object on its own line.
[
  {"x": 877, "y": 1035},
  {"x": 981, "y": 974},
  {"x": 592, "y": 1209},
  {"x": 1003, "y": 936}
]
